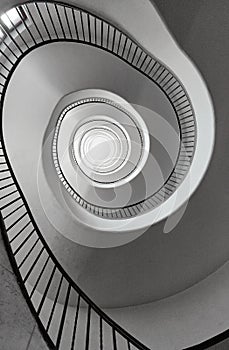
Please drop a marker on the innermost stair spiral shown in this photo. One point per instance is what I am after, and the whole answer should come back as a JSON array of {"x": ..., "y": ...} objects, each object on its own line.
[{"x": 101, "y": 137}]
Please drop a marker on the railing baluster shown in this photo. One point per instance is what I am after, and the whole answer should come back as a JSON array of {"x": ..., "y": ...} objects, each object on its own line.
[
  {"x": 16, "y": 222},
  {"x": 75, "y": 323},
  {"x": 23, "y": 243},
  {"x": 162, "y": 71},
  {"x": 46, "y": 290},
  {"x": 82, "y": 25},
  {"x": 119, "y": 42},
  {"x": 134, "y": 54},
  {"x": 26, "y": 26},
  {"x": 17, "y": 31},
  {"x": 173, "y": 82},
  {"x": 21, "y": 230},
  {"x": 176, "y": 94},
  {"x": 183, "y": 107},
  {"x": 89, "y": 27},
  {"x": 88, "y": 328},
  {"x": 124, "y": 46},
  {"x": 174, "y": 89},
  {"x": 75, "y": 24},
  {"x": 143, "y": 62},
  {"x": 43, "y": 21},
  {"x": 179, "y": 97},
  {"x": 68, "y": 24},
  {"x": 29, "y": 252},
  {"x": 114, "y": 339},
  {"x": 34, "y": 22},
  {"x": 108, "y": 35},
  {"x": 63, "y": 317},
  {"x": 33, "y": 265},
  {"x": 101, "y": 333},
  {"x": 54, "y": 303},
  {"x": 101, "y": 34},
  {"x": 7, "y": 186},
  {"x": 5, "y": 178},
  {"x": 4, "y": 170},
  {"x": 151, "y": 69},
  {"x": 59, "y": 19},
  {"x": 95, "y": 30},
  {"x": 12, "y": 212},
  {"x": 168, "y": 81},
  {"x": 7, "y": 57},
  {"x": 39, "y": 277},
  {"x": 51, "y": 19},
  {"x": 113, "y": 40},
  {"x": 129, "y": 50},
  {"x": 7, "y": 69},
  {"x": 139, "y": 57},
  {"x": 155, "y": 72},
  {"x": 166, "y": 75},
  {"x": 187, "y": 116},
  {"x": 11, "y": 51},
  {"x": 7, "y": 33}
]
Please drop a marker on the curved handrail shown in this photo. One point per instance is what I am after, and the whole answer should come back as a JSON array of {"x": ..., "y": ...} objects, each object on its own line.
[
  {"x": 9, "y": 63},
  {"x": 13, "y": 205}
]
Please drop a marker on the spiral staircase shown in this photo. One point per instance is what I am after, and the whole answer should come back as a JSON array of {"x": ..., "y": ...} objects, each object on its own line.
[{"x": 67, "y": 317}]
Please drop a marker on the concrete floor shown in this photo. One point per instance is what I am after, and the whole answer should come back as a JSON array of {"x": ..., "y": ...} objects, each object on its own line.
[{"x": 18, "y": 329}]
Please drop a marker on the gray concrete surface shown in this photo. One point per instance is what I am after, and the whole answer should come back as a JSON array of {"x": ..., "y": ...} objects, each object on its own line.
[
  {"x": 18, "y": 329},
  {"x": 202, "y": 29}
]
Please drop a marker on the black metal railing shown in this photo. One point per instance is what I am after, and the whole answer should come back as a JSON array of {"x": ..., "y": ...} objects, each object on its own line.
[
  {"x": 49, "y": 22},
  {"x": 37, "y": 263},
  {"x": 65, "y": 325}
]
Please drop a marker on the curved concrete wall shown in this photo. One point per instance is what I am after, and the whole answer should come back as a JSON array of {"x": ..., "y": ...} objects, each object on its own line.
[{"x": 174, "y": 322}]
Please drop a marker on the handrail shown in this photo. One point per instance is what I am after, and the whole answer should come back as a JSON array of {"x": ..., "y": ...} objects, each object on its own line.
[{"x": 16, "y": 218}]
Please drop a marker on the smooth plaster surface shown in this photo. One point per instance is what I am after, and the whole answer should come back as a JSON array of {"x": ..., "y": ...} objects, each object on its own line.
[
  {"x": 157, "y": 265},
  {"x": 161, "y": 270},
  {"x": 202, "y": 29},
  {"x": 194, "y": 23}
]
